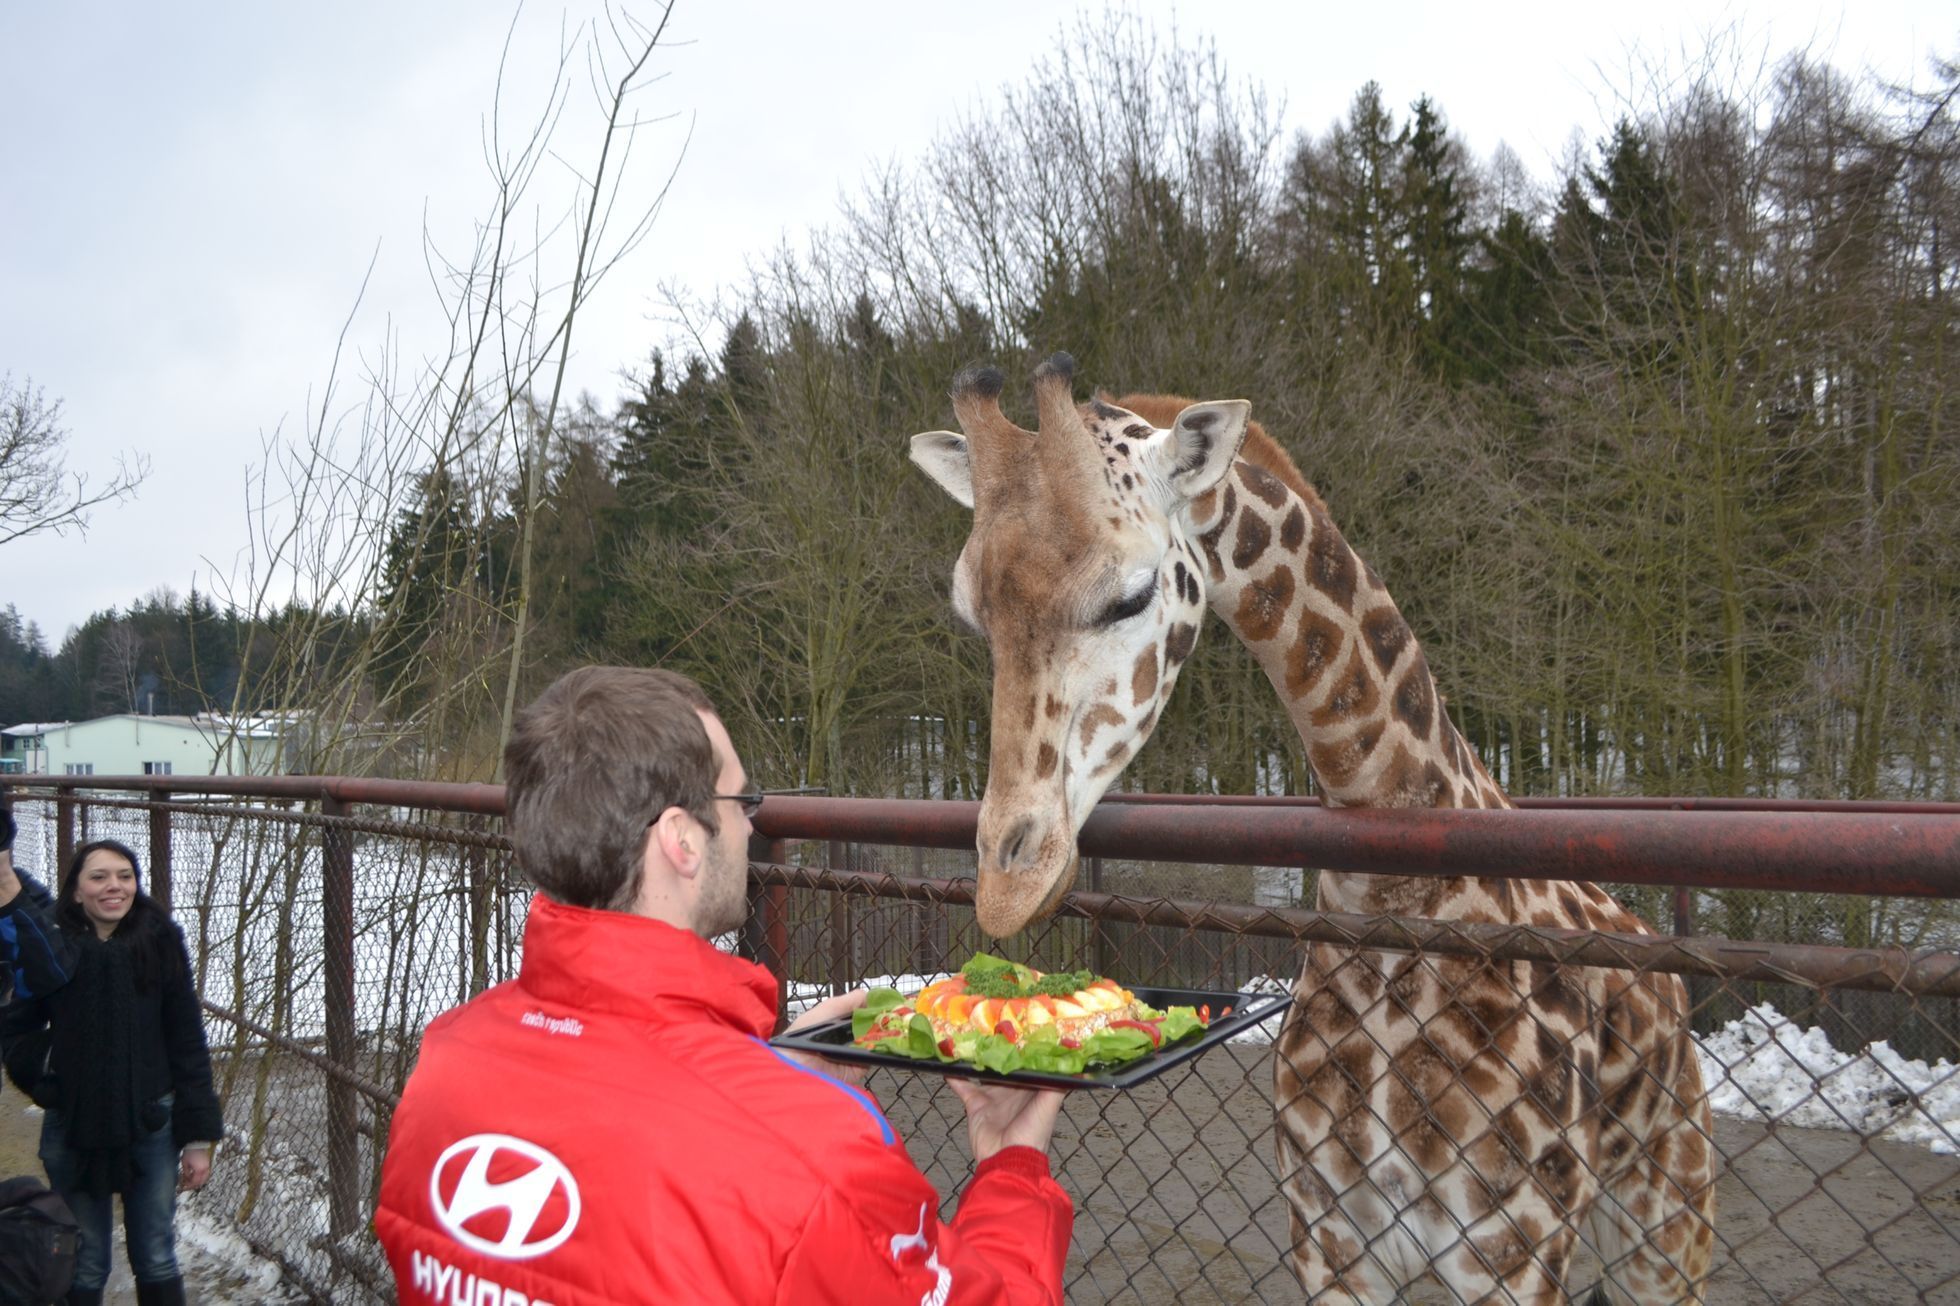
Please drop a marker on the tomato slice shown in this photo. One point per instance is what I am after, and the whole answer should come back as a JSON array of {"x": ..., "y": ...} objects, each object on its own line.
[
  {"x": 1156, "y": 1035},
  {"x": 945, "y": 1047},
  {"x": 1006, "y": 1030}
]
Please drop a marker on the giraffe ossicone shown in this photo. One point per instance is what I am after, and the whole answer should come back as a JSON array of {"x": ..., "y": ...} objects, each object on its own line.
[{"x": 1437, "y": 1117}]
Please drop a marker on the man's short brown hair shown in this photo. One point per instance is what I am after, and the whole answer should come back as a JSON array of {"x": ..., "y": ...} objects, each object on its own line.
[{"x": 590, "y": 763}]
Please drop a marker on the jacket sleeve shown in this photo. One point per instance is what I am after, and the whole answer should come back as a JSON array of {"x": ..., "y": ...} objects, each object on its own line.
[
  {"x": 1006, "y": 1246},
  {"x": 25, "y": 1041},
  {"x": 195, "y": 1115},
  {"x": 38, "y": 957}
]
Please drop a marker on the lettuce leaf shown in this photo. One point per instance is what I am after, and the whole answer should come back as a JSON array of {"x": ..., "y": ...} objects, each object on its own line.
[
  {"x": 1179, "y": 1023},
  {"x": 877, "y": 1004}
]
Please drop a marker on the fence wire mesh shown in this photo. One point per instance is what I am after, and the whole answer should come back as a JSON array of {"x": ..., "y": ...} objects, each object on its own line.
[{"x": 1833, "y": 1109}]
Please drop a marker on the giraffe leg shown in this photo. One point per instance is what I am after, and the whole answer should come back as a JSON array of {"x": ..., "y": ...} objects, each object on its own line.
[{"x": 1653, "y": 1224}]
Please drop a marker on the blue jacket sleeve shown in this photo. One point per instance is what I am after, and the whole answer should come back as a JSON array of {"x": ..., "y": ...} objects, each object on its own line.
[{"x": 38, "y": 958}]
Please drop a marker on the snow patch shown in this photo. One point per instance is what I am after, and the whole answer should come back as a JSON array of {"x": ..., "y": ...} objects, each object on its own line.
[{"x": 1764, "y": 1066}]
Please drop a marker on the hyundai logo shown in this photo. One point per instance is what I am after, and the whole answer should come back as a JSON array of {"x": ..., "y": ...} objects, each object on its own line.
[{"x": 487, "y": 1174}]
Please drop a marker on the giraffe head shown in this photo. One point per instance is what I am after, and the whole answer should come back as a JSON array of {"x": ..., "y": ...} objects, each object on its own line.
[{"x": 1081, "y": 575}]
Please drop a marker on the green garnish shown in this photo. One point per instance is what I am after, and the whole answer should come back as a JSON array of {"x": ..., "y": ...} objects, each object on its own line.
[{"x": 991, "y": 977}]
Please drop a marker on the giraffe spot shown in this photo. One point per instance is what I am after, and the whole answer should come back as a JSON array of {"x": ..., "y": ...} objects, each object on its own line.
[
  {"x": 1355, "y": 693},
  {"x": 1293, "y": 529},
  {"x": 1264, "y": 605},
  {"x": 1228, "y": 504},
  {"x": 1330, "y": 562},
  {"x": 1102, "y": 714},
  {"x": 1411, "y": 781},
  {"x": 1045, "y": 762},
  {"x": 1137, "y": 430},
  {"x": 1127, "y": 481},
  {"x": 1053, "y": 707},
  {"x": 1118, "y": 752},
  {"x": 1374, "y": 581},
  {"x": 1181, "y": 578},
  {"x": 1314, "y": 650},
  {"x": 1262, "y": 483},
  {"x": 1558, "y": 998},
  {"x": 1177, "y": 645},
  {"x": 1336, "y": 763},
  {"x": 1116, "y": 523},
  {"x": 1253, "y": 537},
  {"x": 1387, "y": 635},
  {"x": 1028, "y": 722},
  {"x": 1105, "y": 411},
  {"x": 1144, "y": 726},
  {"x": 1123, "y": 449},
  {"x": 1415, "y": 698},
  {"x": 1143, "y": 680}
]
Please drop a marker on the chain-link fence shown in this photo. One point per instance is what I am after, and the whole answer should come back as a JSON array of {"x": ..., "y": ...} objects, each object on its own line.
[{"x": 1457, "y": 1114}]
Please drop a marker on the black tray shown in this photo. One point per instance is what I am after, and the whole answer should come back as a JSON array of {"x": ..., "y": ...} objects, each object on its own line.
[{"x": 833, "y": 1039}]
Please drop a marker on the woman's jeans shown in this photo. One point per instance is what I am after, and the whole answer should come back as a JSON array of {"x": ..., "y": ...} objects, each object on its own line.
[{"x": 149, "y": 1206}]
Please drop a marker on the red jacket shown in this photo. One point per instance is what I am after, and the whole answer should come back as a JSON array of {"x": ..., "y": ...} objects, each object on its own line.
[{"x": 610, "y": 1127}]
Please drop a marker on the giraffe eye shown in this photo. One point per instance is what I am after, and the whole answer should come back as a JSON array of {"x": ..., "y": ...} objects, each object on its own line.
[{"x": 1129, "y": 605}]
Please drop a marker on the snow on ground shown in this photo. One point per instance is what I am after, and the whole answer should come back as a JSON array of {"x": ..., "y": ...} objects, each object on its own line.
[
  {"x": 222, "y": 1265},
  {"x": 1762, "y": 1067}
]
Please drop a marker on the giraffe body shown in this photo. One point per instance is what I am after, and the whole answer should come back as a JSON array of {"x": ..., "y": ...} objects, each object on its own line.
[{"x": 1436, "y": 1117}]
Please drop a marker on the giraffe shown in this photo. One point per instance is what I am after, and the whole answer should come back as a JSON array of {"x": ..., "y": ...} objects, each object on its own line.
[{"x": 1446, "y": 1118}]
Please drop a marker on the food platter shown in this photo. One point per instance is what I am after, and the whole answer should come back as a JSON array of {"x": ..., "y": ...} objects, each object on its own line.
[{"x": 833, "y": 1039}]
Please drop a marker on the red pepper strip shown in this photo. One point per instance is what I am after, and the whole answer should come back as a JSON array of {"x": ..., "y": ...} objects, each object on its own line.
[
  {"x": 1156, "y": 1036},
  {"x": 1204, "y": 1013}
]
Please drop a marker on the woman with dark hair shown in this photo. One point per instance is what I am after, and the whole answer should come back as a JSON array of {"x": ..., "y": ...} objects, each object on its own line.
[{"x": 105, "y": 1032}]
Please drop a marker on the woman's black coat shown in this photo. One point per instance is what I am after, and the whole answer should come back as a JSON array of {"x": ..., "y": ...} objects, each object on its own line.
[{"x": 45, "y": 1039}]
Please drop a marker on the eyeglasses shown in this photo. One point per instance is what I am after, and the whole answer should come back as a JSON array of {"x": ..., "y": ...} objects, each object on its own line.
[{"x": 752, "y": 802}]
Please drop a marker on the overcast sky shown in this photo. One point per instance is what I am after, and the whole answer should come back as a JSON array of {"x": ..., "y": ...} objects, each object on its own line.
[{"x": 192, "y": 194}]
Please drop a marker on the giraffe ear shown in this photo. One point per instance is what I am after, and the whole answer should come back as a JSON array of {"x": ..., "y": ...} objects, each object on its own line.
[
  {"x": 1204, "y": 441},
  {"x": 943, "y": 456}
]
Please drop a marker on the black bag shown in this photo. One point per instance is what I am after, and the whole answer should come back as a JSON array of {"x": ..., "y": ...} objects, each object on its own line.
[{"x": 38, "y": 1241}]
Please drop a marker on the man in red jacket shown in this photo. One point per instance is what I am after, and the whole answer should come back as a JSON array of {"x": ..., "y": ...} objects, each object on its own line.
[{"x": 611, "y": 1126}]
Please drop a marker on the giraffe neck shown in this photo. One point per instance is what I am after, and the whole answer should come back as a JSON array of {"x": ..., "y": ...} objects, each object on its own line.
[{"x": 1343, "y": 660}]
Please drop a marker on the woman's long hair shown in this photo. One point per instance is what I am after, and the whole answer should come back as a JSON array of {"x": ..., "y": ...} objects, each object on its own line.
[{"x": 144, "y": 930}]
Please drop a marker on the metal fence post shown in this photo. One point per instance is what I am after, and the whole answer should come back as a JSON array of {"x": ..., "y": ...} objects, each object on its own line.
[
  {"x": 769, "y": 936},
  {"x": 64, "y": 833},
  {"x": 1099, "y": 960},
  {"x": 159, "y": 886},
  {"x": 840, "y": 922},
  {"x": 476, "y": 858},
  {"x": 337, "y": 918}
]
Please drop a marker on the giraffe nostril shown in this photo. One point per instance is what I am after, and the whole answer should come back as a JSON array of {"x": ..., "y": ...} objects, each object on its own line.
[{"x": 1014, "y": 840}]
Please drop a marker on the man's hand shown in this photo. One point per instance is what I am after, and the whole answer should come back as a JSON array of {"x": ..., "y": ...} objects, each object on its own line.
[
  {"x": 998, "y": 1115},
  {"x": 835, "y": 1007},
  {"x": 193, "y": 1169}
]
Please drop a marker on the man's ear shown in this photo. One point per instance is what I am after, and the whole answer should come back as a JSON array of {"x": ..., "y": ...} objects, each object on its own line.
[
  {"x": 943, "y": 456},
  {"x": 681, "y": 840},
  {"x": 1204, "y": 441}
]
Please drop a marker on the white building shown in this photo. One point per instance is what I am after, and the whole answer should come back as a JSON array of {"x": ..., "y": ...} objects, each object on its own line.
[{"x": 130, "y": 743}]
